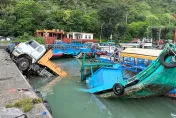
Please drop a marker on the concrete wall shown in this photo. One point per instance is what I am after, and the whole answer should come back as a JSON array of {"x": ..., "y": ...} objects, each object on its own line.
[
  {"x": 4, "y": 45},
  {"x": 11, "y": 80}
]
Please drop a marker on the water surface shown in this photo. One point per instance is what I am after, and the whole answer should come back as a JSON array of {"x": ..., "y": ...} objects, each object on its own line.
[{"x": 67, "y": 101}]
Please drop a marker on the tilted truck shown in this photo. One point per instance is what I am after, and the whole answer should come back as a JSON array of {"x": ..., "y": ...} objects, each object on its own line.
[{"x": 32, "y": 56}]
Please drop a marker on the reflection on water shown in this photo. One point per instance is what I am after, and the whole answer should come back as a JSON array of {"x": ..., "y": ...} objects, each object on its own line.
[{"x": 68, "y": 102}]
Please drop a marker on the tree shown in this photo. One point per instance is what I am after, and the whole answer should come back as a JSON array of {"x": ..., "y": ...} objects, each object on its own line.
[
  {"x": 29, "y": 16},
  {"x": 112, "y": 14},
  {"x": 138, "y": 29}
]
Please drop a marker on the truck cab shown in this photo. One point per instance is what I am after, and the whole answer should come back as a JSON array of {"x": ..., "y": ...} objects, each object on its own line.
[
  {"x": 31, "y": 56},
  {"x": 27, "y": 53},
  {"x": 30, "y": 48}
]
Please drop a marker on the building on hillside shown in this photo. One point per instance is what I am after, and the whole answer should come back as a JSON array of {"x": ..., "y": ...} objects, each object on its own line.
[
  {"x": 51, "y": 35},
  {"x": 81, "y": 36}
]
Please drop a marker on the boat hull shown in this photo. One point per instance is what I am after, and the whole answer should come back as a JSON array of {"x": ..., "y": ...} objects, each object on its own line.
[
  {"x": 55, "y": 56},
  {"x": 57, "y": 53}
]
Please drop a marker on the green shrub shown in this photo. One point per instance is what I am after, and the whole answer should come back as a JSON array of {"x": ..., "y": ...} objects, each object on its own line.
[
  {"x": 26, "y": 104},
  {"x": 9, "y": 105},
  {"x": 36, "y": 101},
  {"x": 39, "y": 39},
  {"x": 27, "y": 107},
  {"x": 26, "y": 37}
]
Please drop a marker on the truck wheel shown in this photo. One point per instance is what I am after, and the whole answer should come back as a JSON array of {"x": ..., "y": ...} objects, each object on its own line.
[
  {"x": 118, "y": 89},
  {"x": 23, "y": 64}
]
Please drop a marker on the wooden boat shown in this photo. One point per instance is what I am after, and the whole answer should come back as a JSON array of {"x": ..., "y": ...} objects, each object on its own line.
[
  {"x": 109, "y": 79},
  {"x": 57, "y": 53}
]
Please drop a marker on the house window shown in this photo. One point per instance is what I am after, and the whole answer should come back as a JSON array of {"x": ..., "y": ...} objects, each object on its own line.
[
  {"x": 41, "y": 34},
  {"x": 85, "y": 36},
  {"x": 70, "y": 35},
  {"x": 89, "y": 36},
  {"x": 50, "y": 34},
  {"x": 54, "y": 35}
]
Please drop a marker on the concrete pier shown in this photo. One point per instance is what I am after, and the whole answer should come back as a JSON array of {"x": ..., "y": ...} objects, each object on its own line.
[
  {"x": 11, "y": 80},
  {"x": 4, "y": 45}
]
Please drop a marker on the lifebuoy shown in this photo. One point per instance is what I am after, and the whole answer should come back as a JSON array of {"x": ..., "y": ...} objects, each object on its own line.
[
  {"x": 163, "y": 57},
  {"x": 118, "y": 89}
]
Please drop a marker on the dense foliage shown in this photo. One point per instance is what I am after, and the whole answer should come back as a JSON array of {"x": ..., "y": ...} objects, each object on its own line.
[{"x": 123, "y": 19}]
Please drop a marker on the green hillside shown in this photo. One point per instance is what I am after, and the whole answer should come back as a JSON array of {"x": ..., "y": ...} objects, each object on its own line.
[{"x": 124, "y": 19}]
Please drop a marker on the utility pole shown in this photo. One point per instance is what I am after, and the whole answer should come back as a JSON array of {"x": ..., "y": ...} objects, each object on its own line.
[
  {"x": 81, "y": 29},
  {"x": 147, "y": 32},
  {"x": 110, "y": 19},
  {"x": 159, "y": 35},
  {"x": 111, "y": 37},
  {"x": 169, "y": 21},
  {"x": 126, "y": 17},
  {"x": 101, "y": 31}
]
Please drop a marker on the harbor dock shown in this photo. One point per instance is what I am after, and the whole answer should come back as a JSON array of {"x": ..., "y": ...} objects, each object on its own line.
[{"x": 14, "y": 87}]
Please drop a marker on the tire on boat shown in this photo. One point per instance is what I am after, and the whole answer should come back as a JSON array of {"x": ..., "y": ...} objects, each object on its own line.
[
  {"x": 164, "y": 56},
  {"x": 118, "y": 89}
]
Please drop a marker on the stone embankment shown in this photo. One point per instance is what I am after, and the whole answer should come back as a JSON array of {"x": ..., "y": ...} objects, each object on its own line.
[{"x": 11, "y": 81}]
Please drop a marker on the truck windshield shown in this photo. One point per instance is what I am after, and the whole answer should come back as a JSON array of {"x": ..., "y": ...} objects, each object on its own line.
[{"x": 33, "y": 44}]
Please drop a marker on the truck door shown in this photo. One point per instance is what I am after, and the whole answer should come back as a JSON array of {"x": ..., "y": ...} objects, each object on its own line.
[{"x": 37, "y": 52}]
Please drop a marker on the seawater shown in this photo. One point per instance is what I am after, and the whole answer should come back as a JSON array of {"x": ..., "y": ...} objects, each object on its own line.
[{"x": 67, "y": 101}]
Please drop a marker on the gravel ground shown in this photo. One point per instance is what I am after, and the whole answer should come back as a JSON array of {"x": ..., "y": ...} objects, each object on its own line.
[{"x": 11, "y": 79}]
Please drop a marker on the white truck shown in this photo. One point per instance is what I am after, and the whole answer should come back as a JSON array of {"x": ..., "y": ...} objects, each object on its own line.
[{"x": 31, "y": 55}]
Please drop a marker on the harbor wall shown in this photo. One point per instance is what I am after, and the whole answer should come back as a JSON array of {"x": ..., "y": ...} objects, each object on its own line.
[
  {"x": 4, "y": 45},
  {"x": 11, "y": 81}
]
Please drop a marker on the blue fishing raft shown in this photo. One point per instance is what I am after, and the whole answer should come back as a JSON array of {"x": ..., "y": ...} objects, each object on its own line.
[
  {"x": 74, "y": 49},
  {"x": 110, "y": 80}
]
